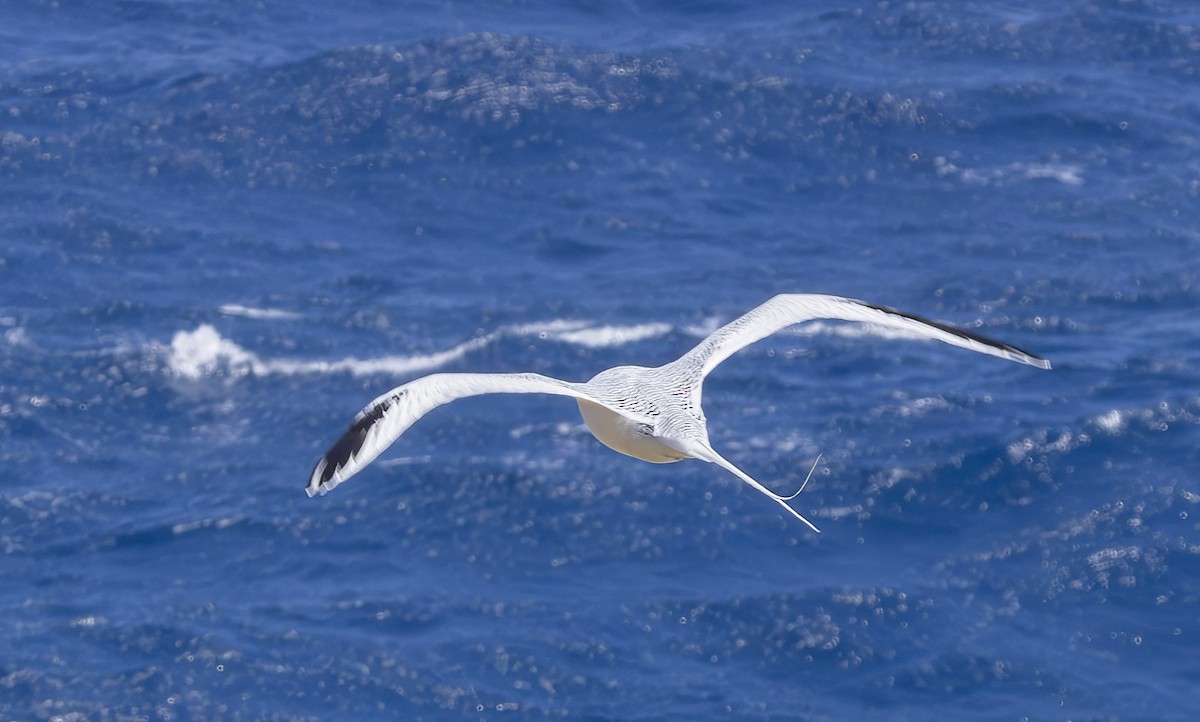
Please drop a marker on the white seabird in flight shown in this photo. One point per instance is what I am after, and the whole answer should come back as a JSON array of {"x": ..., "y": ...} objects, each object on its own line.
[{"x": 652, "y": 414}]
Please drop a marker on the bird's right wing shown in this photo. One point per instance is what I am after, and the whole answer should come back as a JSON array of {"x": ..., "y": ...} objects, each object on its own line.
[
  {"x": 383, "y": 420},
  {"x": 791, "y": 308}
]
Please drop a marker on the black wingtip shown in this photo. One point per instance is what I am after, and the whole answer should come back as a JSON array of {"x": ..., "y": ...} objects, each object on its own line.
[
  {"x": 1019, "y": 354},
  {"x": 344, "y": 450}
]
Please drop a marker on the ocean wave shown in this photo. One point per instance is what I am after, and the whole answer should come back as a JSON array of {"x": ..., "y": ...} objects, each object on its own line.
[
  {"x": 258, "y": 314},
  {"x": 364, "y": 107},
  {"x": 1070, "y": 174},
  {"x": 1114, "y": 424},
  {"x": 205, "y": 352},
  {"x": 603, "y": 336}
]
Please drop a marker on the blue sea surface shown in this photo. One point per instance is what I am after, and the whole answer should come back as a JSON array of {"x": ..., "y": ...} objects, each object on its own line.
[{"x": 227, "y": 225}]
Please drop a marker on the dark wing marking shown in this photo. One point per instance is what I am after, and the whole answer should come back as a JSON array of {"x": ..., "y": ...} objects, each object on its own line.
[
  {"x": 1012, "y": 352},
  {"x": 387, "y": 417},
  {"x": 350, "y": 444}
]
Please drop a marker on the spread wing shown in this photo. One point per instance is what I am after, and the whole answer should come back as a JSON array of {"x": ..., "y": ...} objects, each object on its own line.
[
  {"x": 791, "y": 308},
  {"x": 387, "y": 417}
]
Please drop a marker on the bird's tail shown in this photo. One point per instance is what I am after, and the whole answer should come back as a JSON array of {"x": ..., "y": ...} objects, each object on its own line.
[{"x": 707, "y": 453}]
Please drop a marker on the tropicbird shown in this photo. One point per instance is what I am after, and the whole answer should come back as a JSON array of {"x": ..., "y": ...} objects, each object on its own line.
[{"x": 652, "y": 414}]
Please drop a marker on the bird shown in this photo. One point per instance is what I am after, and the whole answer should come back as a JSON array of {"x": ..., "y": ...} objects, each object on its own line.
[{"x": 650, "y": 413}]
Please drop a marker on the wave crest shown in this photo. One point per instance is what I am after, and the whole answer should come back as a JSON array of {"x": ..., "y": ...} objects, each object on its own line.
[{"x": 204, "y": 352}]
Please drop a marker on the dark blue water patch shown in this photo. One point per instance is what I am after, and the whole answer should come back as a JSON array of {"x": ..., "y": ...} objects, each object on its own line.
[
  {"x": 277, "y": 187},
  {"x": 1082, "y": 35},
  {"x": 478, "y": 99}
]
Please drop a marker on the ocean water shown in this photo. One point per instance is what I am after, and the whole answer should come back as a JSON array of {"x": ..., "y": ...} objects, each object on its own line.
[{"x": 226, "y": 226}]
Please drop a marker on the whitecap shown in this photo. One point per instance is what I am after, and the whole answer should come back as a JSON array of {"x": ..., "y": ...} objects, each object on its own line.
[
  {"x": 16, "y": 336},
  {"x": 258, "y": 314},
  {"x": 1044, "y": 443},
  {"x": 1065, "y": 173},
  {"x": 204, "y": 352},
  {"x": 604, "y": 336},
  {"x": 1113, "y": 422},
  {"x": 546, "y": 329}
]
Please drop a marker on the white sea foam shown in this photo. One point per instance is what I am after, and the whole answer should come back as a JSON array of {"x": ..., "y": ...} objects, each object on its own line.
[
  {"x": 1113, "y": 422},
  {"x": 1044, "y": 443},
  {"x": 547, "y": 329},
  {"x": 16, "y": 336},
  {"x": 204, "y": 352},
  {"x": 603, "y": 336},
  {"x": 1065, "y": 173},
  {"x": 269, "y": 314},
  {"x": 705, "y": 328}
]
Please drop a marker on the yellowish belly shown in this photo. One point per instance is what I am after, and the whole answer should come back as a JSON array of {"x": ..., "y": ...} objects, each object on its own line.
[{"x": 620, "y": 434}]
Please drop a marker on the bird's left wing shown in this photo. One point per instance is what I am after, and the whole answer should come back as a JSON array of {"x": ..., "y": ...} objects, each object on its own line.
[
  {"x": 791, "y": 308},
  {"x": 387, "y": 417}
]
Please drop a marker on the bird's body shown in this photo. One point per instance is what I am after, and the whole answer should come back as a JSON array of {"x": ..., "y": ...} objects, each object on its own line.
[
  {"x": 652, "y": 414},
  {"x": 654, "y": 394},
  {"x": 623, "y": 435}
]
